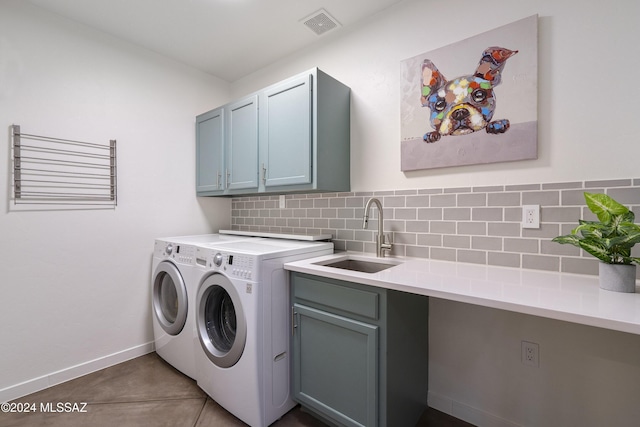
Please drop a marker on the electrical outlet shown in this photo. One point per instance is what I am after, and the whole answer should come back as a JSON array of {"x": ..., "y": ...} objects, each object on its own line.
[
  {"x": 531, "y": 216},
  {"x": 530, "y": 353},
  {"x": 282, "y": 202}
]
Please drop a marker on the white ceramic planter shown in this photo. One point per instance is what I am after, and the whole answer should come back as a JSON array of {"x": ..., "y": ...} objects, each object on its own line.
[{"x": 618, "y": 277}]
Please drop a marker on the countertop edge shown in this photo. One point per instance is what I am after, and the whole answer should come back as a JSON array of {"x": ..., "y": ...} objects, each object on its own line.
[{"x": 392, "y": 279}]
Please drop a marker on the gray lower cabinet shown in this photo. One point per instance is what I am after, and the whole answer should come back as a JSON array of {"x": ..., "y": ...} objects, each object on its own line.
[
  {"x": 360, "y": 353},
  {"x": 293, "y": 136}
]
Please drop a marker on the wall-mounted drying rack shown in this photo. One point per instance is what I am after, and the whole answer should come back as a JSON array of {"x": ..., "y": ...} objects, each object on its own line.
[{"x": 54, "y": 171}]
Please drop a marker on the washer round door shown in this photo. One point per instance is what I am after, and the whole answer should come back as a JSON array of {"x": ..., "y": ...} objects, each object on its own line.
[
  {"x": 169, "y": 298},
  {"x": 222, "y": 328}
]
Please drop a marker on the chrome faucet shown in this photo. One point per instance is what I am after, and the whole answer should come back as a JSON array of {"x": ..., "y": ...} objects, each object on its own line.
[{"x": 381, "y": 240}]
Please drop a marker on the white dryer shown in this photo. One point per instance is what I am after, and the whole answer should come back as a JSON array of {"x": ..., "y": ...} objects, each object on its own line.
[
  {"x": 243, "y": 325},
  {"x": 173, "y": 297}
]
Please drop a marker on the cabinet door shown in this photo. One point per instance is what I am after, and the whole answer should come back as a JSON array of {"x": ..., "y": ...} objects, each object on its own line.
[
  {"x": 286, "y": 132},
  {"x": 336, "y": 366},
  {"x": 242, "y": 144},
  {"x": 210, "y": 151}
]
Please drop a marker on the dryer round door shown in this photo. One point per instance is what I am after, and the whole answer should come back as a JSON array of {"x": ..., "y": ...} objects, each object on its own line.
[
  {"x": 169, "y": 298},
  {"x": 221, "y": 324}
]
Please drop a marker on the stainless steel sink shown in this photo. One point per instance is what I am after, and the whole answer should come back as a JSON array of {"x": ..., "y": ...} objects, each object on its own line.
[{"x": 363, "y": 266}]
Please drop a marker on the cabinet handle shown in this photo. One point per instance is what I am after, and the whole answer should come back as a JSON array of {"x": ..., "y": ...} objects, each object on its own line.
[
  {"x": 264, "y": 175},
  {"x": 228, "y": 177},
  {"x": 218, "y": 176},
  {"x": 293, "y": 321}
]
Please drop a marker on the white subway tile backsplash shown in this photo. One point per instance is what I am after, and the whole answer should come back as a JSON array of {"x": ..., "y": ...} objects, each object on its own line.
[{"x": 479, "y": 225}]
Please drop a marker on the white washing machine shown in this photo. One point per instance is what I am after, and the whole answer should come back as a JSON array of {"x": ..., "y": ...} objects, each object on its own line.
[
  {"x": 173, "y": 297},
  {"x": 243, "y": 323}
]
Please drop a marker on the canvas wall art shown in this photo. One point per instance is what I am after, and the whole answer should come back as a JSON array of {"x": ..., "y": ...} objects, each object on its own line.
[{"x": 472, "y": 102}]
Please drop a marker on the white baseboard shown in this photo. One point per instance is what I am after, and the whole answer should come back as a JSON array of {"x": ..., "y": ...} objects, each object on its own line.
[
  {"x": 466, "y": 413},
  {"x": 36, "y": 384}
]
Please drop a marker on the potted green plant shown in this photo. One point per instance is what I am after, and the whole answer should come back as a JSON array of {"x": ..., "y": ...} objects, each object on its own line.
[{"x": 609, "y": 239}]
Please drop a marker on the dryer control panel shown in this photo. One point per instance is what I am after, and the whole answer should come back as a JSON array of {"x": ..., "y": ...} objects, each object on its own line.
[{"x": 181, "y": 254}]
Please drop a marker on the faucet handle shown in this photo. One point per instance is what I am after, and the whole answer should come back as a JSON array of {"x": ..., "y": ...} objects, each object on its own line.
[{"x": 385, "y": 243}]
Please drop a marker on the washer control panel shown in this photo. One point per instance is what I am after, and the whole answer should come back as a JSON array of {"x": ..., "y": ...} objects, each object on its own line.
[
  {"x": 217, "y": 259},
  {"x": 240, "y": 266},
  {"x": 235, "y": 265}
]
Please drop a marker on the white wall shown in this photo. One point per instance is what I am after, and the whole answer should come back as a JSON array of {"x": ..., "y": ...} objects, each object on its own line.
[
  {"x": 588, "y": 377},
  {"x": 587, "y": 107},
  {"x": 75, "y": 284},
  {"x": 585, "y": 55}
]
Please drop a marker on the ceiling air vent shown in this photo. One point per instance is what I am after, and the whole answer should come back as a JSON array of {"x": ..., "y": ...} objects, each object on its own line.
[{"x": 320, "y": 22}]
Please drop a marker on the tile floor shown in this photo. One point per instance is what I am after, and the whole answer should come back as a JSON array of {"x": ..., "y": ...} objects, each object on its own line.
[{"x": 147, "y": 391}]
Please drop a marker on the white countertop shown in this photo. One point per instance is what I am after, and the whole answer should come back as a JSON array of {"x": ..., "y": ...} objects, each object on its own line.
[{"x": 569, "y": 297}]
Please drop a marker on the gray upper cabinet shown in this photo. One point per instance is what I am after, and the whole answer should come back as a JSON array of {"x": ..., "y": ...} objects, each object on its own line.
[
  {"x": 242, "y": 143},
  {"x": 293, "y": 136},
  {"x": 286, "y": 136},
  {"x": 210, "y": 152}
]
